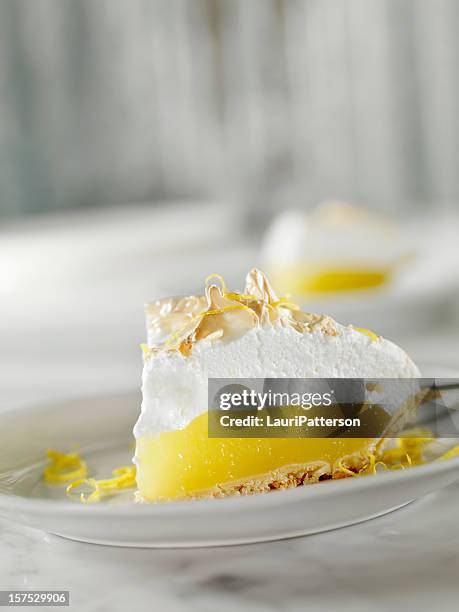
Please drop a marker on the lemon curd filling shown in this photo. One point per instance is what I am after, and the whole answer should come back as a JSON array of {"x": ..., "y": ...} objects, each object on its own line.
[
  {"x": 186, "y": 462},
  {"x": 301, "y": 280}
]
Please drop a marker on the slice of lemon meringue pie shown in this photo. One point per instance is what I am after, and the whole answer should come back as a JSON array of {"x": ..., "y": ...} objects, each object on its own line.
[
  {"x": 336, "y": 247},
  {"x": 253, "y": 334}
]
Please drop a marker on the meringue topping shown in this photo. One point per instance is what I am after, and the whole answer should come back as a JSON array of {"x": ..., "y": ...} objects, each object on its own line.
[{"x": 178, "y": 323}]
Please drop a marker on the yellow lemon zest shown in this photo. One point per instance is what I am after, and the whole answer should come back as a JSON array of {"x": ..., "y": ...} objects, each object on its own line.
[
  {"x": 374, "y": 462},
  {"x": 370, "y": 468},
  {"x": 283, "y": 301},
  {"x": 145, "y": 348},
  {"x": 237, "y": 297},
  {"x": 408, "y": 452},
  {"x": 373, "y": 337},
  {"x": 342, "y": 469},
  {"x": 123, "y": 478},
  {"x": 64, "y": 467},
  {"x": 220, "y": 278},
  {"x": 453, "y": 452},
  {"x": 247, "y": 297}
]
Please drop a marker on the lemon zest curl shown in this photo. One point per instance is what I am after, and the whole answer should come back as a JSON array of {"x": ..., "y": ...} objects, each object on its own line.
[
  {"x": 64, "y": 467},
  {"x": 452, "y": 452},
  {"x": 371, "y": 334},
  {"x": 175, "y": 340},
  {"x": 408, "y": 452},
  {"x": 123, "y": 478}
]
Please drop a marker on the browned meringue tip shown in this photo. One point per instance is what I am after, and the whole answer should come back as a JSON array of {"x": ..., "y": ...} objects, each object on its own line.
[{"x": 178, "y": 323}]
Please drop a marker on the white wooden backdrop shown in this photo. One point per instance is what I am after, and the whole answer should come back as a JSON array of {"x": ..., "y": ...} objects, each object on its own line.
[{"x": 270, "y": 100}]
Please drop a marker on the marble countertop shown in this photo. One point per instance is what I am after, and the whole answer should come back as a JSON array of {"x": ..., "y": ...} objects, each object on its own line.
[{"x": 406, "y": 560}]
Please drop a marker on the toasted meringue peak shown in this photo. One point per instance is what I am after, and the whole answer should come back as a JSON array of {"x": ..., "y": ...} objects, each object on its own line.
[
  {"x": 178, "y": 323},
  {"x": 342, "y": 214}
]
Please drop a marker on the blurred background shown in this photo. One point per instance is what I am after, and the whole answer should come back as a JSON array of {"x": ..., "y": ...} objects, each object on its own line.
[
  {"x": 147, "y": 143},
  {"x": 112, "y": 102}
]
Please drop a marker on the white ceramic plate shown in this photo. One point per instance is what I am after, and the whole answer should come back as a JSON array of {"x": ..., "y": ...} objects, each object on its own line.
[{"x": 101, "y": 428}]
